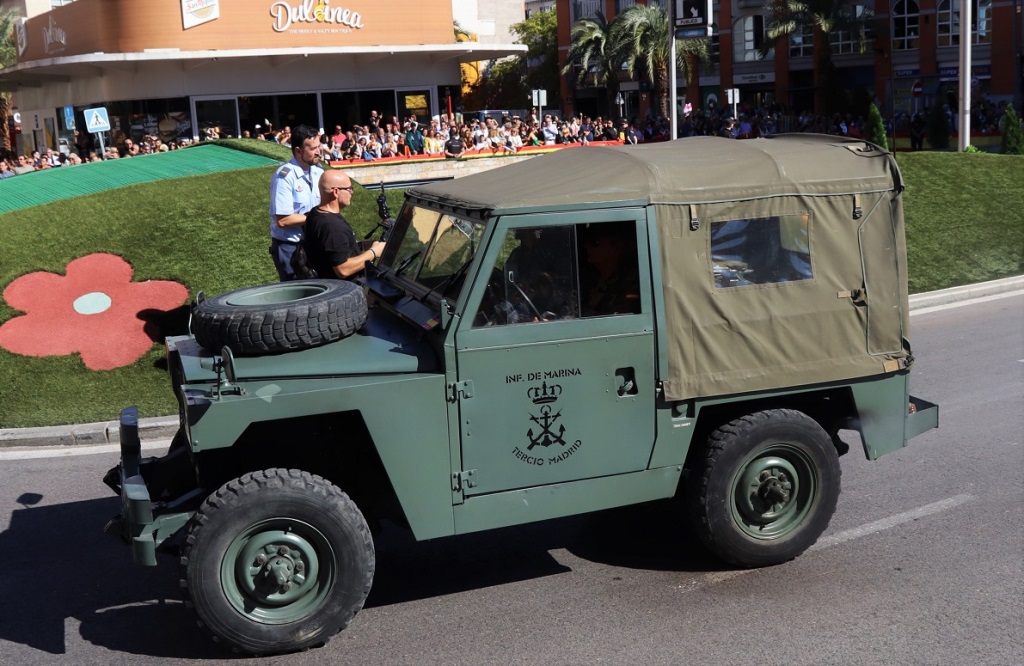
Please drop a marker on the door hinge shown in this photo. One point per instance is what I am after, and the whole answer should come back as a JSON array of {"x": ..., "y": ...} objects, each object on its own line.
[
  {"x": 463, "y": 480},
  {"x": 460, "y": 390}
]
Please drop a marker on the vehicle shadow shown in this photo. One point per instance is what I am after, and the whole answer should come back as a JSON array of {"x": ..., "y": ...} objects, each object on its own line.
[
  {"x": 652, "y": 536},
  {"x": 60, "y": 567}
]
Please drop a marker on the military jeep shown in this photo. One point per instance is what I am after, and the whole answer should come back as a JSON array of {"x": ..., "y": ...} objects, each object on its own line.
[{"x": 594, "y": 328}]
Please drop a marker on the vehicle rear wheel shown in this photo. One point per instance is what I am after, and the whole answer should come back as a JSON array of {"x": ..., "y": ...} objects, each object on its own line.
[
  {"x": 277, "y": 561},
  {"x": 280, "y": 317},
  {"x": 764, "y": 488}
]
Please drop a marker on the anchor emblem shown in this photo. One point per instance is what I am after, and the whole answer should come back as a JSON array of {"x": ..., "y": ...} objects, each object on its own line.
[{"x": 546, "y": 437}]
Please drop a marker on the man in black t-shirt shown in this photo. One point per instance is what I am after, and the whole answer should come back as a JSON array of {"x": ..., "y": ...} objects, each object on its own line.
[
  {"x": 330, "y": 244},
  {"x": 453, "y": 147}
]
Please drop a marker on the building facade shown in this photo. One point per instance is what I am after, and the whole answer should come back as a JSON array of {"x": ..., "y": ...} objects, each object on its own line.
[
  {"x": 911, "y": 63},
  {"x": 179, "y": 68}
]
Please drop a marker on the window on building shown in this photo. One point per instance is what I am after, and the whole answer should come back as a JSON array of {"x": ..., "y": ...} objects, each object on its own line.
[
  {"x": 906, "y": 28},
  {"x": 948, "y": 22},
  {"x": 801, "y": 42},
  {"x": 586, "y": 9},
  {"x": 765, "y": 250},
  {"x": 844, "y": 41},
  {"x": 750, "y": 37}
]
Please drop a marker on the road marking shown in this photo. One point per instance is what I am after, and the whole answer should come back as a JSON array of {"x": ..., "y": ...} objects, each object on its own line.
[
  {"x": 34, "y": 452},
  {"x": 858, "y": 532},
  {"x": 891, "y": 521},
  {"x": 960, "y": 304}
]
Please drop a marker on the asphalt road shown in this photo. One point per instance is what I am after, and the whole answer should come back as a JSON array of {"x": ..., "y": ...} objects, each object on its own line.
[{"x": 922, "y": 563}]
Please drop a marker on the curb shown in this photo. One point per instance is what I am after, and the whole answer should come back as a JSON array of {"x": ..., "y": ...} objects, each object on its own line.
[
  {"x": 164, "y": 427},
  {"x": 104, "y": 432},
  {"x": 966, "y": 292}
]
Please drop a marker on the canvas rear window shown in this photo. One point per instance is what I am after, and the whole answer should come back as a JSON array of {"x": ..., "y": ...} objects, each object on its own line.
[{"x": 763, "y": 250}]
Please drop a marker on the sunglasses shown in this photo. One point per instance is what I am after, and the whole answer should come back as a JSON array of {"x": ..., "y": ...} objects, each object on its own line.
[{"x": 347, "y": 189}]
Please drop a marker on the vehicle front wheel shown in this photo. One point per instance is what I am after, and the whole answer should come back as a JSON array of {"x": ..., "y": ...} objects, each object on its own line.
[
  {"x": 764, "y": 488},
  {"x": 277, "y": 561}
]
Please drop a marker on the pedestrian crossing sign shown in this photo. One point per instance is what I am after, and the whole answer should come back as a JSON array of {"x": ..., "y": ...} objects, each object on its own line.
[{"x": 96, "y": 120}]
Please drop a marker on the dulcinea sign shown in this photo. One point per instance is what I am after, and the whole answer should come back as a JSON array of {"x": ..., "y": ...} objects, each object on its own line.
[{"x": 312, "y": 11}]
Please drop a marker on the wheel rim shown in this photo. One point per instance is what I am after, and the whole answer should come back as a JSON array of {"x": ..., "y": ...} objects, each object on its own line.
[
  {"x": 278, "y": 571},
  {"x": 773, "y": 491},
  {"x": 275, "y": 294}
]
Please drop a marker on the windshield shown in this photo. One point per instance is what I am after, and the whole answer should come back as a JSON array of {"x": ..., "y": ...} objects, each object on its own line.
[{"x": 432, "y": 249}]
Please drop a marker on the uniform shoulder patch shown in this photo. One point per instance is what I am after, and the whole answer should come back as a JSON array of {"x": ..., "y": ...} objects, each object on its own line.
[{"x": 283, "y": 172}]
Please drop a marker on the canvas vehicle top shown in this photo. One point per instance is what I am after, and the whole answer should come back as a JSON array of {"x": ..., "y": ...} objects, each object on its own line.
[
  {"x": 597, "y": 327},
  {"x": 779, "y": 240}
]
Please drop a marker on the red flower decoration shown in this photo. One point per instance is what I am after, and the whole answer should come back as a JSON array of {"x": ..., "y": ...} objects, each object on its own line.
[{"x": 94, "y": 310}]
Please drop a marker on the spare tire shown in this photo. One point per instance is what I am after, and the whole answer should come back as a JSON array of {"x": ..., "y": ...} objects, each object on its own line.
[{"x": 280, "y": 317}]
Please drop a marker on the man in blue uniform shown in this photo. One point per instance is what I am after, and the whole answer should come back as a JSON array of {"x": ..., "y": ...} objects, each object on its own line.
[{"x": 294, "y": 191}]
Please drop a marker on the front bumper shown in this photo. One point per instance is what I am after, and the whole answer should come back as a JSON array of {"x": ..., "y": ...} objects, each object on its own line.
[{"x": 144, "y": 523}]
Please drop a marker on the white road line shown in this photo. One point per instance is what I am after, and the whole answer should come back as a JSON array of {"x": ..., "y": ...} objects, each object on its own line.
[
  {"x": 891, "y": 521},
  {"x": 858, "y": 532},
  {"x": 34, "y": 452}
]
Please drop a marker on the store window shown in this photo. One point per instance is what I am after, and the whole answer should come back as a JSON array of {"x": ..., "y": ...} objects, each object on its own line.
[
  {"x": 948, "y": 22},
  {"x": 750, "y": 37},
  {"x": 906, "y": 28},
  {"x": 766, "y": 250},
  {"x": 801, "y": 42}
]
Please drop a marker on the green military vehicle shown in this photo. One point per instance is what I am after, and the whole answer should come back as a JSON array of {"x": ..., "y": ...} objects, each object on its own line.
[{"x": 594, "y": 328}]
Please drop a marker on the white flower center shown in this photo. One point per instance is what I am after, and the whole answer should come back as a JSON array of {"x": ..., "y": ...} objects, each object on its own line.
[{"x": 92, "y": 303}]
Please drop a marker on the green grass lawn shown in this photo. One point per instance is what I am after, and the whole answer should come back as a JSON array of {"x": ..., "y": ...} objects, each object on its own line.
[{"x": 965, "y": 223}]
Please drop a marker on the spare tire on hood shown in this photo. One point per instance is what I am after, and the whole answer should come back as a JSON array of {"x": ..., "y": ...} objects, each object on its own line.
[{"x": 280, "y": 317}]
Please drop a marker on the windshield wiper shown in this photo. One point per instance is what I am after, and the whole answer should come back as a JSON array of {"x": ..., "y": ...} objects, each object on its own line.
[{"x": 407, "y": 261}]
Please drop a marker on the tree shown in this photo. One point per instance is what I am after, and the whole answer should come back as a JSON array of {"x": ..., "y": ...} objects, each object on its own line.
[
  {"x": 505, "y": 83},
  {"x": 539, "y": 33},
  {"x": 641, "y": 41},
  {"x": 876, "y": 128},
  {"x": 7, "y": 58},
  {"x": 1012, "y": 141},
  {"x": 590, "y": 55},
  {"x": 825, "y": 18}
]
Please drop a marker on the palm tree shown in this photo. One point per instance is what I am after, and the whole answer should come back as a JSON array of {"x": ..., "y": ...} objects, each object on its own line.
[
  {"x": 590, "y": 53},
  {"x": 7, "y": 58},
  {"x": 640, "y": 37},
  {"x": 825, "y": 18}
]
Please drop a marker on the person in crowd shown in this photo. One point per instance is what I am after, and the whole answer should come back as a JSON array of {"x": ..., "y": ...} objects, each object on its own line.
[
  {"x": 294, "y": 191},
  {"x": 431, "y": 144},
  {"x": 917, "y": 132},
  {"x": 414, "y": 137},
  {"x": 371, "y": 149},
  {"x": 5, "y": 170},
  {"x": 24, "y": 165},
  {"x": 453, "y": 147},
  {"x": 726, "y": 129},
  {"x": 609, "y": 133},
  {"x": 549, "y": 131},
  {"x": 330, "y": 245}
]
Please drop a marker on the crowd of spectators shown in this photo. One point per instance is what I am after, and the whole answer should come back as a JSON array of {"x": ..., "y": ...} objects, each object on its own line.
[
  {"x": 82, "y": 151},
  {"x": 383, "y": 137}
]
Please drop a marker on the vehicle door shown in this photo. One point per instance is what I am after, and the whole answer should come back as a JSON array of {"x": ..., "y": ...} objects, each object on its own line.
[{"x": 555, "y": 352}]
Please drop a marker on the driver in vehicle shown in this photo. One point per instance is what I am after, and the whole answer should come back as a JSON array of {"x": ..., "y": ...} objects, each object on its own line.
[{"x": 536, "y": 281}]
